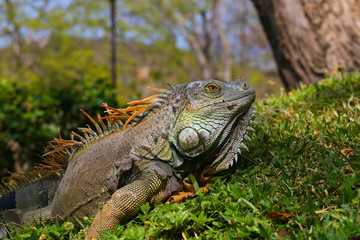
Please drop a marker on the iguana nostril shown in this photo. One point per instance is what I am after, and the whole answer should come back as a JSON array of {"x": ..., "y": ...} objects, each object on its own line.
[{"x": 231, "y": 107}]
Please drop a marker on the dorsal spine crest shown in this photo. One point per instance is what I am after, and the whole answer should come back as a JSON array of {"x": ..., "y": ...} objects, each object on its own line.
[{"x": 60, "y": 150}]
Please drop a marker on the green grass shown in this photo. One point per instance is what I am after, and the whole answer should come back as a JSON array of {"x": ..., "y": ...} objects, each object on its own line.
[{"x": 304, "y": 160}]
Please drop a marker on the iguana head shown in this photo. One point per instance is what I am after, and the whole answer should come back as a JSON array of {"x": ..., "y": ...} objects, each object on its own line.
[{"x": 213, "y": 123}]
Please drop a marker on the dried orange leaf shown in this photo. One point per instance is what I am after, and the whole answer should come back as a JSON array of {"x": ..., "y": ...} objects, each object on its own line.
[{"x": 274, "y": 215}]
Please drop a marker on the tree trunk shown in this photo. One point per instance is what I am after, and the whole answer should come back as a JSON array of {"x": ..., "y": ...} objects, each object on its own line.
[
  {"x": 311, "y": 38},
  {"x": 227, "y": 75},
  {"x": 13, "y": 29},
  {"x": 113, "y": 42},
  {"x": 203, "y": 58}
]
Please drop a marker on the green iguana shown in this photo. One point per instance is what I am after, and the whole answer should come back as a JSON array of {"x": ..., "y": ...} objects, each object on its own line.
[{"x": 196, "y": 128}]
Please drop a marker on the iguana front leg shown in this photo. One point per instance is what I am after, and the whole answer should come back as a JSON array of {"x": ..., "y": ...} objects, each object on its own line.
[
  {"x": 126, "y": 202},
  {"x": 189, "y": 189}
]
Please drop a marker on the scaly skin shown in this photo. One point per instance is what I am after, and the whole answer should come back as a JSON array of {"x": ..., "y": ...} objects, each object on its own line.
[
  {"x": 199, "y": 122},
  {"x": 198, "y": 128}
]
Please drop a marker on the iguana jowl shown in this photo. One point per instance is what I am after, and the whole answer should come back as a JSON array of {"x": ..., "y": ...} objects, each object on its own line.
[{"x": 197, "y": 128}]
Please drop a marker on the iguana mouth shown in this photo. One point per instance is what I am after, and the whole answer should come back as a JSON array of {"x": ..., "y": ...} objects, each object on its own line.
[
  {"x": 235, "y": 100},
  {"x": 236, "y": 133}
]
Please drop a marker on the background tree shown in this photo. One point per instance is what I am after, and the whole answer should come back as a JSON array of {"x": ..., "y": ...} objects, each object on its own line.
[
  {"x": 203, "y": 26},
  {"x": 113, "y": 42},
  {"x": 199, "y": 23},
  {"x": 55, "y": 60},
  {"x": 310, "y": 39}
]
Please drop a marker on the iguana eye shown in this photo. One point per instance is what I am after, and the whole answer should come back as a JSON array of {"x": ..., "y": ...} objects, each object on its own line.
[
  {"x": 245, "y": 86},
  {"x": 211, "y": 88}
]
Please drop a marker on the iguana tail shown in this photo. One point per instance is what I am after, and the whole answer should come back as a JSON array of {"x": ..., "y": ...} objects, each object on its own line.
[{"x": 30, "y": 201}]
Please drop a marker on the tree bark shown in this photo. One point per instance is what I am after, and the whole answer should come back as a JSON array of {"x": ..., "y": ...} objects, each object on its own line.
[{"x": 311, "y": 38}]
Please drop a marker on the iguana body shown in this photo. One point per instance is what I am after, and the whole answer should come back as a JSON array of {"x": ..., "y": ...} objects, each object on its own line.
[{"x": 196, "y": 129}]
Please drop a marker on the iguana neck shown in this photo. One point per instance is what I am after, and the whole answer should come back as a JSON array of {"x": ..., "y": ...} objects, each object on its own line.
[{"x": 150, "y": 137}]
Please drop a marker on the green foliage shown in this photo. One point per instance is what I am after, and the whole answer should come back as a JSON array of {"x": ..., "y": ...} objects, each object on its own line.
[
  {"x": 30, "y": 113},
  {"x": 46, "y": 230},
  {"x": 52, "y": 43},
  {"x": 300, "y": 179}
]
